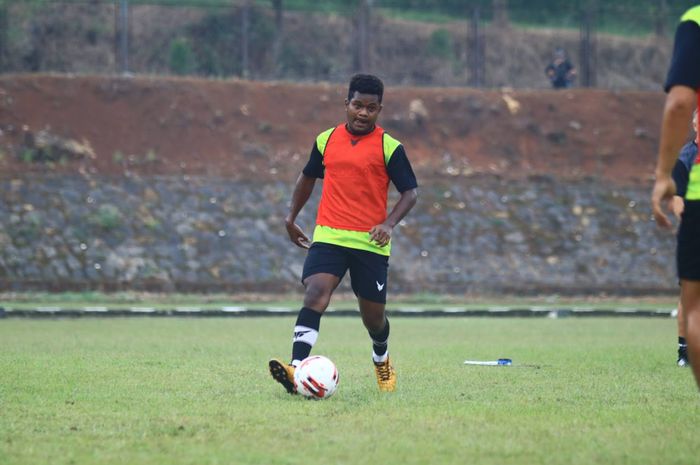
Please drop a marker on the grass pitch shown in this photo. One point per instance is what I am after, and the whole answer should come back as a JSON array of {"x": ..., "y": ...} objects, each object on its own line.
[{"x": 197, "y": 391}]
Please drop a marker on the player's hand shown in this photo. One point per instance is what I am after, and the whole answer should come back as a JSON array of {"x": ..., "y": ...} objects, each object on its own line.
[
  {"x": 664, "y": 189},
  {"x": 676, "y": 205},
  {"x": 296, "y": 235},
  {"x": 380, "y": 234}
]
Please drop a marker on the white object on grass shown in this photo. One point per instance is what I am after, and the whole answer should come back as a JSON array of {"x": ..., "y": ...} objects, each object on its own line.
[{"x": 499, "y": 362}]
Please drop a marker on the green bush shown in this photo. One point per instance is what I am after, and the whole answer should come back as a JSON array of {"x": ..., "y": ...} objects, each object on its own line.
[
  {"x": 210, "y": 62},
  {"x": 151, "y": 156},
  {"x": 107, "y": 217},
  {"x": 440, "y": 43},
  {"x": 30, "y": 227},
  {"x": 182, "y": 60}
]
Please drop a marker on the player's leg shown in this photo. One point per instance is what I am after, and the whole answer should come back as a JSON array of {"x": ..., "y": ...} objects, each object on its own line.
[
  {"x": 377, "y": 324},
  {"x": 682, "y": 345},
  {"x": 688, "y": 261},
  {"x": 318, "y": 290},
  {"x": 324, "y": 267},
  {"x": 690, "y": 299},
  {"x": 368, "y": 272}
]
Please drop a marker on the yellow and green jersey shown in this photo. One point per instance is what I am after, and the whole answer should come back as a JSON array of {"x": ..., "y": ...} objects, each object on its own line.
[{"x": 356, "y": 172}]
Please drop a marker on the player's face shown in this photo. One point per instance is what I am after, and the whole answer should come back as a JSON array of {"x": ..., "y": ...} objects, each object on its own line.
[{"x": 362, "y": 112}]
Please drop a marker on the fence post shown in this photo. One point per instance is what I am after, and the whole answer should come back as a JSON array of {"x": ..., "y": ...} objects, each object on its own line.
[
  {"x": 4, "y": 46},
  {"x": 475, "y": 47},
  {"x": 279, "y": 37},
  {"x": 660, "y": 18},
  {"x": 121, "y": 46},
  {"x": 587, "y": 48},
  {"x": 362, "y": 60},
  {"x": 245, "y": 38}
]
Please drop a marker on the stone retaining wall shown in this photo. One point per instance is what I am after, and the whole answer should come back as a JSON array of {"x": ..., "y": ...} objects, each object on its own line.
[{"x": 467, "y": 234}]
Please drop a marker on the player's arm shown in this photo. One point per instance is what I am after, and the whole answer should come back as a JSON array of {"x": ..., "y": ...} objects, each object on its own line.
[
  {"x": 381, "y": 233},
  {"x": 680, "y": 176},
  {"x": 406, "y": 202},
  {"x": 683, "y": 79},
  {"x": 401, "y": 175},
  {"x": 677, "y": 206},
  {"x": 303, "y": 189},
  {"x": 677, "y": 112}
]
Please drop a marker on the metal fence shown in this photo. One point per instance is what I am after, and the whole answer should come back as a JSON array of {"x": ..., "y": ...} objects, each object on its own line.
[{"x": 482, "y": 44}]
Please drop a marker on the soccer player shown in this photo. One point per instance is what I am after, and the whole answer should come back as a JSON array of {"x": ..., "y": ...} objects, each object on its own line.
[
  {"x": 681, "y": 170},
  {"x": 682, "y": 86},
  {"x": 356, "y": 160}
]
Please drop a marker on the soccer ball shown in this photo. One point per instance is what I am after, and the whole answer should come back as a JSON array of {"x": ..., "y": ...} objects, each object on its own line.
[{"x": 316, "y": 377}]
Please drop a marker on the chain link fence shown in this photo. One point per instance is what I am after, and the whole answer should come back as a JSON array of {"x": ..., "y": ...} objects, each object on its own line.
[{"x": 478, "y": 43}]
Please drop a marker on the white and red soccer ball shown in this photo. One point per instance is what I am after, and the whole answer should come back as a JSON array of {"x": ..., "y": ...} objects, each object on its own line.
[{"x": 316, "y": 377}]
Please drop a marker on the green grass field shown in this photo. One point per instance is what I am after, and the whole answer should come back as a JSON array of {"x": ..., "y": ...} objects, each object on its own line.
[{"x": 197, "y": 391}]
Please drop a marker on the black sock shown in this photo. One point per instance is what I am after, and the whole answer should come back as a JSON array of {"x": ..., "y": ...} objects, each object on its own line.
[
  {"x": 681, "y": 342},
  {"x": 380, "y": 340},
  {"x": 305, "y": 334}
]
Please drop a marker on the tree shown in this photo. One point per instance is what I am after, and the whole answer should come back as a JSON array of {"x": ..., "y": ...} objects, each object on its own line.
[
  {"x": 500, "y": 13},
  {"x": 661, "y": 17}
]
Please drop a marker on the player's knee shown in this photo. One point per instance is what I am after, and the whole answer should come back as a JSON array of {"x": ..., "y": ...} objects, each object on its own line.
[
  {"x": 693, "y": 321},
  {"x": 317, "y": 296}
]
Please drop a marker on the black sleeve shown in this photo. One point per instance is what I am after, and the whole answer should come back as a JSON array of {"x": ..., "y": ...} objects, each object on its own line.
[
  {"x": 681, "y": 170},
  {"x": 680, "y": 177},
  {"x": 685, "y": 63},
  {"x": 400, "y": 171},
  {"x": 314, "y": 167}
]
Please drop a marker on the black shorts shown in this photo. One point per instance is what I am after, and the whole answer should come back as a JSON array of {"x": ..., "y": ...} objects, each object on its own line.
[
  {"x": 368, "y": 270},
  {"x": 688, "y": 251}
]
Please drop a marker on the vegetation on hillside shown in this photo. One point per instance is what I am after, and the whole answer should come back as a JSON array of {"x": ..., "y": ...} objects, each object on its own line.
[
  {"x": 281, "y": 39},
  {"x": 543, "y": 12}
]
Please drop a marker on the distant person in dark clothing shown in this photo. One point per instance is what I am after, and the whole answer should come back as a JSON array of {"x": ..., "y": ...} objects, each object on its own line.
[{"x": 560, "y": 71}]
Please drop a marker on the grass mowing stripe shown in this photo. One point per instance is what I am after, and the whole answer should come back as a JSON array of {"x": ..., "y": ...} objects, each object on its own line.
[{"x": 182, "y": 390}]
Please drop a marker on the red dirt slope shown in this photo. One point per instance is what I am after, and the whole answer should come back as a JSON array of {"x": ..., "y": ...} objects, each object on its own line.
[{"x": 261, "y": 130}]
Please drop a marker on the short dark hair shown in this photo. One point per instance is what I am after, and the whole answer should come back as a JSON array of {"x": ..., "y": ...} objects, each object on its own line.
[{"x": 366, "y": 84}]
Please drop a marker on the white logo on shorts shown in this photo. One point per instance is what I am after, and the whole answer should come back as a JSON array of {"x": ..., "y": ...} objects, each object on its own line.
[{"x": 380, "y": 286}]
